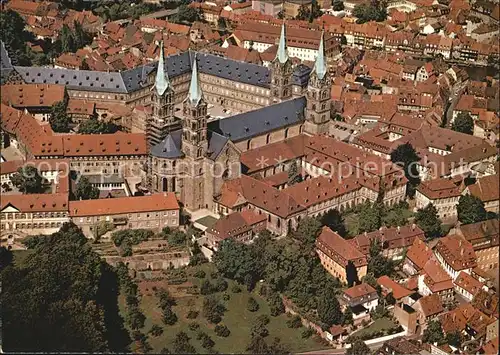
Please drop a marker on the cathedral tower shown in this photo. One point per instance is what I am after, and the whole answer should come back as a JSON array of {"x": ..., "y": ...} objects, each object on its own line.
[
  {"x": 318, "y": 95},
  {"x": 281, "y": 72},
  {"x": 162, "y": 120},
  {"x": 194, "y": 144}
]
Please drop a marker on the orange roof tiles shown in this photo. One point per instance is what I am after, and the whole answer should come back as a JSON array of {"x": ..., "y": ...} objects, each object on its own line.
[
  {"x": 486, "y": 188},
  {"x": 360, "y": 290},
  {"x": 32, "y": 95},
  {"x": 339, "y": 249},
  {"x": 431, "y": 305},
  {"x": 56, "y": 202},
  {"x": 457, "y": 252},
  {"x": 468, "y": 283},
  {"x": 419, "y": 253},
  {"x": 398, "y": 291},
  {"x": 439, "y": 188},
  {"x": 435, "y": 277},
  {"x": 123, "y": 205},
  {"x": 109, "y": 144}
]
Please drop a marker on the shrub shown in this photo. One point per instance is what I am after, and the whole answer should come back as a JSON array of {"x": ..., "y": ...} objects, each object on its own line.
[
  {"x": 193, "y": 326},
  {"x": 263, "y": 319},
  {"x": 156, "y": 330},
  {"x": 192, "y": 314},
  {"x": 169, "y": 317},
  {"x": 236, "y": 289},
  {"x": 221, "y": 285},
  {"x": 206, "y": 287},
  {"x": 307, "y": 333},
  {"x": 214, "y": 275},
  {"x": 252, "y": 305},
  {"x": 226, "y": 297},
  {"x": 294, "y": 322},
  {"x": 200, "y": 274},
  {"x": 221, "y": 330}
]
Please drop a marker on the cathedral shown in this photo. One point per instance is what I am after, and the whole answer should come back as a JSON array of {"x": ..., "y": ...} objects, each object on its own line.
[{"x": 193, "y": 157}]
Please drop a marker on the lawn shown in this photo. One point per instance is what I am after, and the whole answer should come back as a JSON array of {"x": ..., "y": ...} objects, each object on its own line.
[
  {"x": 237, "y": 318},
  {"x": 378, "y": 325}
]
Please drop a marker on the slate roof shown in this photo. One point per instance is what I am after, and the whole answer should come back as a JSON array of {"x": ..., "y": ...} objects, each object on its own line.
[
  {"x": 170, "y": 147},
  {"x": 257, "y": 122},
  {"x": 5, "y": 63},
  {"x": 301, "y": 74},
  {"x": 216, "y": 143}
]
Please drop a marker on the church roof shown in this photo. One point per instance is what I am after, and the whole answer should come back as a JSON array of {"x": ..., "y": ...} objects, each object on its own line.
[
  {"x": 5, "y": 63},
  {"x": 216, "y": 143},
  {"x": 169, "y": 147},
  {"x": 194, "y": 94},
  {"x": 320, "y": 67},
  {"x": 258, "y": 122},
  {"x": 282, "y": 54}
]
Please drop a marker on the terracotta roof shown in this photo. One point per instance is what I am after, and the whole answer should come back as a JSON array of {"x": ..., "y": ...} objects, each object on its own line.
[
  {"x": 468, "y": 283},
  {"x": 339, "y": 249},
  {"x": 456, "y": 319},
  {"x": 419, "y": 253},
  {"x": 252, "y": 218},
  {"x": 391, "y": 238},
  {"x": 82, "y": 107},
  {"x": 431, "y": 305},
  {"x": 56, "y": 202},
  {"x": 398, "y": 291},
  {"x": 122, "y": 205},
  {"x": 439, "y": 188},
  {"x": 32, "y": 95},
  {"x": 229, "y": 226},
  {"x": 487, "y": 303},
  {"x": 359, "y": 291},
  {"x": 435, "y": 277},
  {"x": 457, "y": 252},
  {"x": 483, "y": 234},
  {"x": 104, "y": 144},
  {"x": 486, "y": 188}
]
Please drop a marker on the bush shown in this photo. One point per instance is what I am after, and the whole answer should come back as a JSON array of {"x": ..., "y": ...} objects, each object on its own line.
[
  {"x": 307, "y": 333},
  {"x": 294, "y": 322},
  {"x": 214, "y": 275},
  {"x": 226, "y": 297},
  {"x": 221, "y": 285},
  {"x": 193, "y": 326},
  {"x": 206, "y": 341},
  {"x": 236, "y": 289},
  {"x": 221, "y": 330},
  {"x": 192, "y": 315},
  {"x": 263, "y": 319},
  {"x": 156, "y": 330},
  {"x": 206, "y": 287},
  {"x": 169, "y": 317},
  {"x": 252, "y": 305},
  {"x": 200, "y": 274}
]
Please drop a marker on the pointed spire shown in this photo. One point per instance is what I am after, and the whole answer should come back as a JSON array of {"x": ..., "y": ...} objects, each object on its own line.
[
  {"x": 161, "y": 82},
  {"x": 194, "y": 94},
  {"x": 282, "y": 54},
  {"x": 320, "y": 67}
]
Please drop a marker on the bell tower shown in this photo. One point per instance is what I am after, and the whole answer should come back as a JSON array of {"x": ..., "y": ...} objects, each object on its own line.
[
  {"x": 281, "y": 71},
  {"x": 162, "y": 120},
  {"x": 318, "y": 95}
]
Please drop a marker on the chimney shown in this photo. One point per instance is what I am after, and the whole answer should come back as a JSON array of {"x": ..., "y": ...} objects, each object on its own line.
[
  {"x": 413, "y": 226},
  {"x": 399, "y": 229}
]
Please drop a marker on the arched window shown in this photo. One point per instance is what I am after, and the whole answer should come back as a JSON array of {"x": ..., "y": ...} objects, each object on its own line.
[
  {"x": 286, "y": 133},
  {"x": 249, "y": 144},
  {"x": 268, "y": 138}
]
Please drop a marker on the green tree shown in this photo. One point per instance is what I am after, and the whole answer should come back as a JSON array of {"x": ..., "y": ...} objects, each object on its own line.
[
  {"x": 281, "y": 15},
  {"x": 80, "y": 37},
  {"x": 304, "y": 13},
  {"x": 370, "y": 217},
  {"x": 454, "y": 339},
  {"x": 370, "y": 12},
  {"x": 471, "y": 209},
  {"x": 335, "y": 221},
  {"x": 347, "y": 317},
  {"x": 95, "y": 126},
  {"x": 221, "y": 330},
  {"x": 308, "y": 230},
  {"x": 293, "y": 174},
  {"x": 337, "y": 5},
  {"x": 406, "y": 157},
  {"x": 213, "y": 309},
  {"x": 181, "y": 344},
  {"x": 85, "y": 190},
  {"x": 434, "y": 333},
  {"x": 14, "y": 36},
  {"x": 463, "y": 123},
  {"x": 427, "y": 219},
  {"x": 378, "y": 264},
  {"x": 206, "y": 341},
  {"x": 186, "y": 14},
  {"x": 156, "y": 330},
  {"x": 67, "y": 40},
  {"x": 329, "y": 308},
  {"x": 358, "y": 347},
  {"x": 54, "y": 295},
  {"x": 252, "y": 305},
  {"x": 59, "y": 119},
  {"x": 27, "y": 179},
  {"x": 177, "y": 238}
]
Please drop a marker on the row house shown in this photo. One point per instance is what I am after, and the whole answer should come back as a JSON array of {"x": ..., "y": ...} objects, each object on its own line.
[
  {"x": 468, "y": 286},
  {"x": 339, "y": 257},
  {"x": 484, "y": 237},
  {"x": 442, "y": 193},
  {"x": 433, "y": 280},
  {"x": 455, "y": 254},
  {"x": 153, "y": 212},
  {"x": 487, "y": 189},
  {"x": 366, "y": 36}
]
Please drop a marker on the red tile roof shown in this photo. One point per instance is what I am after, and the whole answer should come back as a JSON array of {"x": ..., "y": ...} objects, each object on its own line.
[
  {"x": 339, "y": 249},
  {"x": 56, "y": 202},
  {"x": 359, "y": 290},
  {"x": 457, "y": 252},
  {"x": 398, "y": 291},
  {"x": 431, "y": 305},
  {"x": 468, "y": 283},
  {"x": 32, "y": 95}
]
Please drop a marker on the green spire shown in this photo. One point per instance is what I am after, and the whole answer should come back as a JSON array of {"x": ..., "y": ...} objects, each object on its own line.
[
  {"x": 161, "y": 81},
  {"x": 195, "y": 94},
  {"x": 282, "y": 54},
  {"x": 320, "y": 66}
]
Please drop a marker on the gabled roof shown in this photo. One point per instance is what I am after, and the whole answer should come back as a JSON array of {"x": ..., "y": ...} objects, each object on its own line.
[{"x": 169, "y": 147}]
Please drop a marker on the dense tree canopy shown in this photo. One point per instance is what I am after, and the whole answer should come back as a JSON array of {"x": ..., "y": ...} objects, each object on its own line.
[
  {"x": 434, "y": 333},
  {"x": 358, "y": 348},
  {"x": 406, "y": 157},
  {"x": 59, "y": 119},
  {"x": 95, "y": 126},
  {"x": 85, "y": 190},
  {"x": 309, "y": 13},
  {"x": 427, "y": 219},
  {"x": 335, "y": 221},
  {"x": 370, "y": 217},
  {"x": 14, "y": 36},
  {"x": 375, "y": 11},
  {"x": 63, "y": 299},
  {"x": 463, "y": 123},
  {"x": 471, "y": 209},
  {"x": 337, "y": 5},
  {"x": 293, "y": 174},
  {"x": 329, "y": 308},
  {"x": 28, "y": 180},
  {"x": 186, "y": 14}
]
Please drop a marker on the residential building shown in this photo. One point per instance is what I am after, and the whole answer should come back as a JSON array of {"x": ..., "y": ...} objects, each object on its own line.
[
  {"x": 487, "y": 189},
  {"x": 339, "y": 257},
  {"x": 417, "y": 256},
  {"x": 428, "y": 308},
  {"x": 455, "y": 254},
  {"x": 362, "y": 299},
  {"x": 400, "y": 293},
  {"x": 443, "y": 193},
  {"x": 433, "y": 280},
  {"x": 467, "y": 286},
  {"x": 484, "y": 238}
]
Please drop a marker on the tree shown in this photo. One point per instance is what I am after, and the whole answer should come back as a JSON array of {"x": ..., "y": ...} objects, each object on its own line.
[
  {"x": 54, "y": 295},
  {"x": 177, "y": 238},
  {"x": 471, "y": 209},
  {"x": 335, "y": 221},
  {"x": 80, "y": 37},
  {"x": 27, "y": 179},
  {"x": 59, "y": 119},
  {"x": 169, "y": 317},
  {"x": 329, "y": 308},
  {"x": 186, "y": 14},
  {"x": 156, "y": 330},
  {"x": 308, "y": 230},
  {"x": 390, "y": 299},
  {"x": 213, "y": 309},
  {"x": 165, "y": 299},
  {"x": 95, "y": 126},
  {"x": 181, "y": 344},
  {"x": 378, "y": 264},
  {"x": 257, "y": 345},
  {"x": 14, "y": 36},
  {"x": 463, "y": 123},
  {"x": 454, "y": 339},
  {"x": 370, "y": 217},
  {"x": 358, "y": 348},
  {"x": 275, "y": 304},
  {"x": 337, "y": 5},
  {"x": 434, "y": 333},
  {"x": 370, "y": 12},
  {"x": 259, "y": 328},
  {"x": 281, "y": 15},
  {"x": 428, "y": 220},
  {"x": 347, "y": 317},
  {"x": 293, "y": 174},
  {"x": 67, "y": 40},
  {"x": 406, "y": 157},
  {"x": 85, "y": 190},
  {"x": 221, "y": 330},
  {"x": 252, "y": 305},
  {"x": 304, "y": 13}
]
